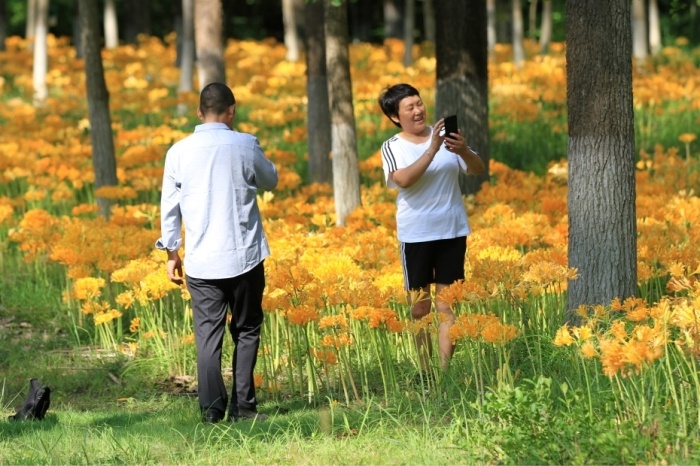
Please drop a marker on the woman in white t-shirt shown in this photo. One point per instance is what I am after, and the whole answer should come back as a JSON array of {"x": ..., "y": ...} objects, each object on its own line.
[{"x": 431, "y": 221}]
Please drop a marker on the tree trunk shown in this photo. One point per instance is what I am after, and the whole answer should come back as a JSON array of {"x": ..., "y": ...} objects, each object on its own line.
[
  {"x": 101, "y": 138},
  {"x": 187, "y": 41},
  {"x": 41, "y": 57},
  {"x": 208, "y": 25},
  {"x": 601, "y": 153},
  {"x": 409, "y": 25},
  {"x": 3, "y": 25},
  {"x": 138, "y": 19},
  {"x": 518, "y": 50},
  {"x": 429, "y": 20},
  {"x": 546, "y": 33},
  {"x": 532, "y": 19},
  {"x": 462, "y": 75},
  {"x": 392, "y": 19},
  {"x": 654, "y": 27},
  {"x": 77, "y": 33},
  {"x": 30, "y": 27},
  {"x": 346, "y": 172},
  {"x": 110, "y": 21},
  {"x": 491, "y": 26},
  {"x": 291, "y": 32},
  {"x": 639, "y": 31},
  {"x": 318, "y": 120}
]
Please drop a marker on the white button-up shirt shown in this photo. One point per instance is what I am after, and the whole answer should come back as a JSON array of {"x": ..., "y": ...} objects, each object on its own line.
[{"x": 210, "y": 184}]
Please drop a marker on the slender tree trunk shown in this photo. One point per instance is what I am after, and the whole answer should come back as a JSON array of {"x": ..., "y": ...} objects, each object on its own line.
[
  {"x": 318, "y": 121},
  {"x": 187, "y": 54},
  {"x": 491, "y": 26},
  {"x": 291, "y": 33},
  {"x": 138, "y": 19},
  {"x": 392, "y": 19},
  {"x": 601, "y": 154},
  {"x": 3, "y": 25},
  {"x": 532, "y": 19},
  {"x": 429, "y": 20},
  {"x": 76, "y": 32},
  {"x": 346, "y": 172},
  {"x": 41, "y": 57},
  {"x": 462, "y": 75},
  {"x": 518, "y": 50},
  {"x": 208, "y": 33},
  {"x": 546, "y": 33},
  {"x": 110, "y": 21},
  {"x": 30, "y": 27},
  {"x": 654, "y": 27},
  {"x": 409, "y": 26},
  {"x": 103, "y": 160},
  {"x": 639, "y": 31}
]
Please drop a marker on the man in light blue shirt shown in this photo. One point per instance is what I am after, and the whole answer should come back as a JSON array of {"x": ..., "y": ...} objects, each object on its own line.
[{"x": 210, "y": 184}]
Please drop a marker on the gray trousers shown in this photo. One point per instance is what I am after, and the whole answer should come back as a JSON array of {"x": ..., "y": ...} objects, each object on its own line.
[{"x": 211, "y": 301}]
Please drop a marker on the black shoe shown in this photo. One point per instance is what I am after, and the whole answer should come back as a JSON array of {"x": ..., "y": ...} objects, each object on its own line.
[
  {"x": 212, "y": 416},
  {"x": 248, "y": 415}
]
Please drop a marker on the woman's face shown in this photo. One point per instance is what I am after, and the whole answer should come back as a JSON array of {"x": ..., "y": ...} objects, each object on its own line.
[{"x": 412, "y": 115}]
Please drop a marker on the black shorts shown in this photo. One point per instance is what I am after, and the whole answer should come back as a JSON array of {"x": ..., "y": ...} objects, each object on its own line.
[{"x": 440, "y": 261}]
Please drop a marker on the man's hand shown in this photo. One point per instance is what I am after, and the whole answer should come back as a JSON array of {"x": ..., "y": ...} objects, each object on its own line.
[{"x": 174, "y": 267}]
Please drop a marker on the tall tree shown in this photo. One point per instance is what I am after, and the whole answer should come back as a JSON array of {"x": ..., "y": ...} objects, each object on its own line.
[
  {"x": 292, "y": 41},
  {"x": 639, "y": 31},
  {"x": 392, "y": 19},
  {"x": 138, "y": 19},
  {"x": 429, "y": 21},
  {"x": 517, "y": 25},
  {"x": 30, "y": 26},
  {"x": 546, "y": 30},
  {"x": 491, "y": 26},
  {"x": 654, "y": 28},
  {"x": 187, "y": 41},
  {"x": 409, "y": 26},
  {"x": 462, "y": 75},
  {"x": 601, "y": 153},
  {"x": 318, "y": 118},
  {"x": 346, "y": 171},
  {"x": 209, "y": 42},
  {"x": 41, "y": 57},
  {"x": 110, "y": 22},
  {"x": 3, "y": 25},
  {"x": 101, "y": 139}
]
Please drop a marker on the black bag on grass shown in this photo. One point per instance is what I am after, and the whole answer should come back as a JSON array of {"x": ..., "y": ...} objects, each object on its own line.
[{"x": 36, "y": 404}]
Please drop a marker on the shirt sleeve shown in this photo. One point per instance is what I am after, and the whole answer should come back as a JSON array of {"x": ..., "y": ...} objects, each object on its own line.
[
  {"x": 170, "y": 216},
  {"x": 266, "y": 175},
  {"x": 391, "y": 161}
]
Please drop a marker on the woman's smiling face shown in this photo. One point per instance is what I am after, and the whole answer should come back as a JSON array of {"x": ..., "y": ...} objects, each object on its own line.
[{"x": 412, "y": 115}]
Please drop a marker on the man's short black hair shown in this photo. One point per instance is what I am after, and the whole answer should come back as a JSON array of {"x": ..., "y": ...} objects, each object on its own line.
[
  {"x": 215, "y": 99},
  {"x": 391, "y": 96}
]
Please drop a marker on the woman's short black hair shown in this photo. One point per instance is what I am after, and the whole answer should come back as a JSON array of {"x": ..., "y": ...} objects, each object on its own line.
[
  {"x": 215, "y": 99},
  {"x": 391, "y": 96}
]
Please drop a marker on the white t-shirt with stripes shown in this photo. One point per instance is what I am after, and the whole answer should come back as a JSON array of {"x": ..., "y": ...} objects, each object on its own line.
[{"x": 431, "y": 209}]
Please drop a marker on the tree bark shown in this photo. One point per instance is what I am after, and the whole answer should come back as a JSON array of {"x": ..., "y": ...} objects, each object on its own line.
[
  {"x": 41, "y": 57},
  {"x": 639, "y": 31},
  {"x": 654, "y": 28},
  {"x": 3, "y": 25},
  {"x": 429, "y": 20},
  {"x": 546, "y": 32},
  {"x": 601, "y": 153},
  {"x": 103, "y": 160},
  {"x": 208, "y": 33},
  {"x": 110, "y": 22},
  {"x": 517, "y": 18},
  {"x": 462, "y": 75},
  {"x": 392, "y": 19},
  {"x": 30, "y": 27},
  {"x": 346, "y": 172},
  {"x": 318, "y": 121},
  {"x": 187, "y": 41},
  {"x": 491, "y": 26},
  {"x": 291, "y": 32},
  {"x": 409, "y": 25}
]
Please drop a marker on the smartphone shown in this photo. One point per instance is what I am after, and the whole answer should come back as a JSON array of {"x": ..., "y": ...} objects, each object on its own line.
[{"x": 450, "y": 124}]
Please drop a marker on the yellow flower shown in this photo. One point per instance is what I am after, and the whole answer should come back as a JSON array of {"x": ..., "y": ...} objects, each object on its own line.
[
  {"x": 687, "y": 138},
  {"x": 563, "y": 337}
]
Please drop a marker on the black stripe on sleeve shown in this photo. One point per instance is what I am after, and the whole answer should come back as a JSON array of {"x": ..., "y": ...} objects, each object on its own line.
[{"x": 388, "y": 156}]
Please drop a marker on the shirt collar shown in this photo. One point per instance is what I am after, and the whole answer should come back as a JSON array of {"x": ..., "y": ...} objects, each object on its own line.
[{"x": 210, "y": 126}]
